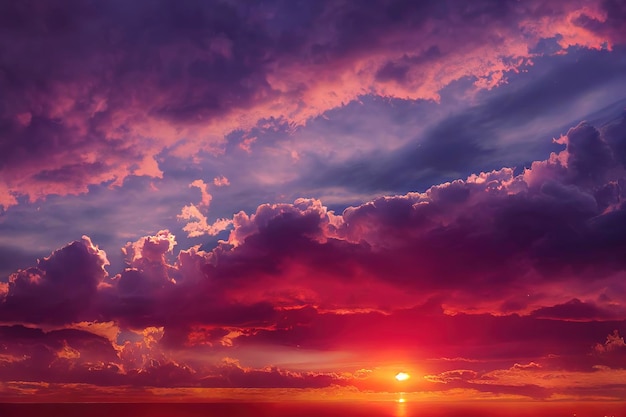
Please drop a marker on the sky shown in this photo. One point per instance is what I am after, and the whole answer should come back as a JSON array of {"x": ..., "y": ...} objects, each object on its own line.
[{"x": 300, "y": 199}]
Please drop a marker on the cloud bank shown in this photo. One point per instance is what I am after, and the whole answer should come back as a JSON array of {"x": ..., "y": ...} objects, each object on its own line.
[{"x": 523, "y": 269}]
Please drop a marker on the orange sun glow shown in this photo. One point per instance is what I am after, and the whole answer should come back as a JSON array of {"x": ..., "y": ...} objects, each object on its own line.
[{"x": 402, "y": 376}]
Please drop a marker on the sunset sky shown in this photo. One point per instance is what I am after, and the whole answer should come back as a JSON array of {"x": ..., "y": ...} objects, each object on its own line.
[{"x": 299, "y": 199}]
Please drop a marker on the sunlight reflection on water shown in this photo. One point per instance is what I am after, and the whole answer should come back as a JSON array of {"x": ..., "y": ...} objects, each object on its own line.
[{"x": 401, "y": 408}]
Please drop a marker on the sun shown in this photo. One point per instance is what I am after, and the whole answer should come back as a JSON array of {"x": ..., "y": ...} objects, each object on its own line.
[{"x": 402, "y": 376}]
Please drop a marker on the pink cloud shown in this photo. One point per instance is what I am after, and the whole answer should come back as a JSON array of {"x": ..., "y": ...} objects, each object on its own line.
[
  {"x": 80, "y": 116},
  {"x": 197, "y": 222},
  {"x": 221, "y": 181},
  {"x": 150, "y": 248},
  {"x": 204, "y": 191}
]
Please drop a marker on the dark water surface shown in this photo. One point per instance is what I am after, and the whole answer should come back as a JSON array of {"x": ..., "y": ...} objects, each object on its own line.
[{"x": 314, "y": 409}]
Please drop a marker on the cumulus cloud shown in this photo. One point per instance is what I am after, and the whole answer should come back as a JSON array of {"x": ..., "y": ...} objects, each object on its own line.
[
  {"x": 507, "y": 234},
  {"x": 151, "y": 249},
  {"x": 390, "y": 272},
  {"x": 65, "y": 284}
]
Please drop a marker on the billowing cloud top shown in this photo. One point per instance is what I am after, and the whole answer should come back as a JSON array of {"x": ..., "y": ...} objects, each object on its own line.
[
  {"x": 530, "y": 263},
  {"x": 336, "y": 132}
]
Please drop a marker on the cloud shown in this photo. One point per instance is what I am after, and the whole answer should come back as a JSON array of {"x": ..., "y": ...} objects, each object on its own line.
[
  {"x": 206, "y": 197},
  {"x": 74, "y": 356},
  {"x": 61, "y": 288},
  {"x": 51, "y": 355},
  {"x": 526, "y": 233},
  {"x": 221, "y": 181},
  {"x": 589, "y": 157},
  {"x": 384, "y": 276},
  {"x": 601, "y": 377},
  {"x": 573, "y": 310},
  {"x": 608, "y": 25},
  {"x": 536, "y": 382},
  {"x": 497, "y": 129},
  {"x": 531, "y": 365},
  {"x": 450, "y": 376},
  {"x": 613, "y": 342},
  {"x": 230, "y": 373},
  {"x": 95, "y": 96},
  {"x": 611, "y": 352},
  {"x": 197, "y": 223},
  {"x": 150, "y": 249}
]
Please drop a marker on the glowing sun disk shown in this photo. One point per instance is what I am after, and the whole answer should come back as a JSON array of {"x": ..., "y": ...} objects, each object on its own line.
[{"x": 402, "y": 376}]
